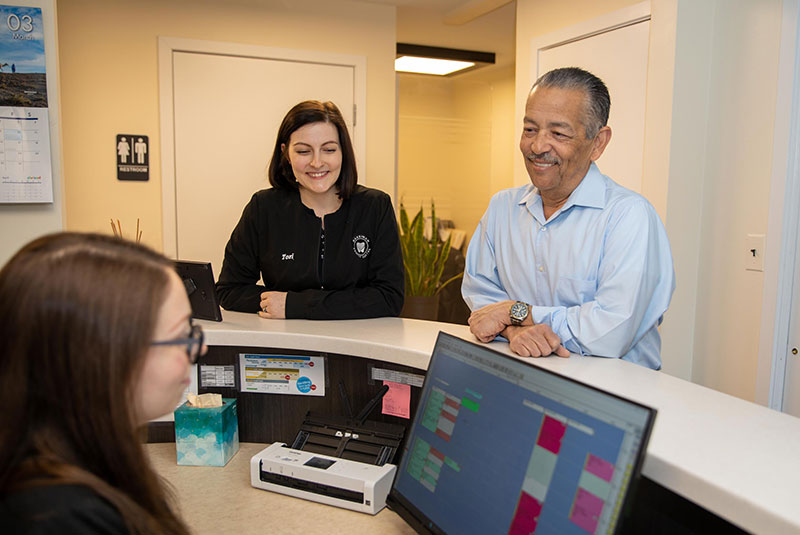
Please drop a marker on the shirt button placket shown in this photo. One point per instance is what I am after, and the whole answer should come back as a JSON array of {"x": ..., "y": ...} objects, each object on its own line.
[{"x": 542, "y": 230}]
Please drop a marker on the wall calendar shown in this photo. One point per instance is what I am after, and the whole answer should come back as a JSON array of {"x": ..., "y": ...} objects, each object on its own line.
[{"x": 25, "y": 167}]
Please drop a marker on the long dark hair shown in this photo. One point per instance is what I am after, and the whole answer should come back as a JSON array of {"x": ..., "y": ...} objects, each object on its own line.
[
  {"x": 77, "y": 315},
  {"x": 307, "y": 112}
]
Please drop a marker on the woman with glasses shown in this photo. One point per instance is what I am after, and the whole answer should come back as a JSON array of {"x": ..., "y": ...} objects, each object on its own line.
[
  {"x": 95, "y": 341},
  {"x": 324, "y": 247}
]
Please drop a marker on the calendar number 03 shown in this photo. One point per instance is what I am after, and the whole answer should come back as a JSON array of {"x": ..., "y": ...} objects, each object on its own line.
[{"x": 16, "y": 23}]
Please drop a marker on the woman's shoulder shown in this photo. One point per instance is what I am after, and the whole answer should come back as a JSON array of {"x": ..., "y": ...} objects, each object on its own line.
[
  {"x": 274, "y": 199},
  {"x": 63, "y": 509},
  {"x": 274, "y": 194},
  {"x": 364, "y": 195}
]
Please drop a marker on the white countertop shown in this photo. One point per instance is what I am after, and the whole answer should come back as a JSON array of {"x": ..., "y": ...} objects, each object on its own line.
[
  {"x": 733, "y": 457},
  {"x": 214, "y": 500}
]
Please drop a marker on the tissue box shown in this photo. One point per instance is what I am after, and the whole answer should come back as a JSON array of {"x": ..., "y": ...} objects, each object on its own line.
[{"x": 207, "y": 437}]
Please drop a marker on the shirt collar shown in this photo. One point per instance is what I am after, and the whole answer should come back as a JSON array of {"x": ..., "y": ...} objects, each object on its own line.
[{"x": 591, "y": 192}]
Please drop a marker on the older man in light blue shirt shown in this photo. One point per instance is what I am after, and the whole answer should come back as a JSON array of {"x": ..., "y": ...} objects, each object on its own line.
[{"x": 572, "y": 262}]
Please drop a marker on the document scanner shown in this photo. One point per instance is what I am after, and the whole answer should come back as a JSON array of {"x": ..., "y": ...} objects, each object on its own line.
[
  {"x": 333, "y": 460},
  {"x": 321, "y": 478}
]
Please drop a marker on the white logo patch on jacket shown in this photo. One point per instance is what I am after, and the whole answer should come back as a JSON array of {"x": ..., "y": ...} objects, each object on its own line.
[{"x": 361, "y": 246}]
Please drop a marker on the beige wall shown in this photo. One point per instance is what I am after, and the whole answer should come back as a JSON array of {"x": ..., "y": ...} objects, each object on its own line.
[
  {"x": 109, "y": 85},
  {"x": 455, "y": 141},
  {"x": 743, "y": 78},
  {"x": 675, "y": 153},
  {"x": 716, "y": 65}
]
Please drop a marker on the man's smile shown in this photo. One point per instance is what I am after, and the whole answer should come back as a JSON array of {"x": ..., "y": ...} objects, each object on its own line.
[{"x": 542, "y": 162}]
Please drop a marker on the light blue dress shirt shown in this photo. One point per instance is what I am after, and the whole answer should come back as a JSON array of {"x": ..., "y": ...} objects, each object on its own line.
[{"x": 599, "y": 272}]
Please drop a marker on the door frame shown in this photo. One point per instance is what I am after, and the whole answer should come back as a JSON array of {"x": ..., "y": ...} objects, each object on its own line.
[
  {"x": 168, "y": 46},
  {"x": 609, "y": 22},
  {"x": 783, "y": 225}
]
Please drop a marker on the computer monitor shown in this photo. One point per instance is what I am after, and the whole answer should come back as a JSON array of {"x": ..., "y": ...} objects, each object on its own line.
[
  {"x": 499, "y": 445},
  {"x": 198, "y": 279}
]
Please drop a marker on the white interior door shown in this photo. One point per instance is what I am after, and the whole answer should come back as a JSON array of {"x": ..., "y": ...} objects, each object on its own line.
[
  {"x": 791, "y": 379},
  {"x": 615, "y": 49},
  {"x": 226, "y": 109}
]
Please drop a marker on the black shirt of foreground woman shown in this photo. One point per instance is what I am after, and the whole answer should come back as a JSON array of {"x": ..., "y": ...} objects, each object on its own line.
[
  {"x": 278, "y": 239},
  {"x": 59, "y": 509}
]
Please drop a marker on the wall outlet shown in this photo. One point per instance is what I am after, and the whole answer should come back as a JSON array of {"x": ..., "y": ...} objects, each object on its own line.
[{"x": 754, "y": 252}]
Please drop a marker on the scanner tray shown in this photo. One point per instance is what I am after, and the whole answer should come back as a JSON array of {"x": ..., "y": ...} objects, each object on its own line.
[{"x": 368, "y": 442}]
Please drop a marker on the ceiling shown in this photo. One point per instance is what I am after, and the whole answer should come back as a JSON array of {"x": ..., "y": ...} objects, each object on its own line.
[{"x": 483, "y": 25}]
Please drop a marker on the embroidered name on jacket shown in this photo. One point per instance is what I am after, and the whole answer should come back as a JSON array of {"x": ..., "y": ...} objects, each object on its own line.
[
  {"x": 361, "y": 246},
  {"x": 289, "y": 256}
]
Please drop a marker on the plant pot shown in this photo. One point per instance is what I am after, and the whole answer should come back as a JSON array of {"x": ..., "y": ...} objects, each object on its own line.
[{"x": 421, "y": 307}]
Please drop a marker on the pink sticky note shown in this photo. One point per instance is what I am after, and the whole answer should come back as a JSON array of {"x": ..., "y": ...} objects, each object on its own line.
[{"x": 397, "y": 401}]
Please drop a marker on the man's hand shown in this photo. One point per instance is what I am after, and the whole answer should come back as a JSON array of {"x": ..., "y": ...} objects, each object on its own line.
[
  {"x": 534, "y": 341},
  {"x": 489, "y": 321},
  {"x": 273, "y": 305}
]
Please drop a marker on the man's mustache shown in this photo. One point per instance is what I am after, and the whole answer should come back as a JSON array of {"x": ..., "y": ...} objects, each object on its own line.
[{"x": 545, "y": 157}]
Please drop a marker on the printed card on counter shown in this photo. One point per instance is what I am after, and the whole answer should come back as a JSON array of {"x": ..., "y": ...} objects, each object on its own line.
[{"x": 282, "y": 374}]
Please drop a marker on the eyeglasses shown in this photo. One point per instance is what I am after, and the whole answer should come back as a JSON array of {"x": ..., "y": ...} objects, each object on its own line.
[{"x": 193, "y": 343}]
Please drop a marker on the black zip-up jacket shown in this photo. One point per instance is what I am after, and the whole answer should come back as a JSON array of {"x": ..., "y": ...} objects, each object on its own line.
[{"x": 278, "y": 239}]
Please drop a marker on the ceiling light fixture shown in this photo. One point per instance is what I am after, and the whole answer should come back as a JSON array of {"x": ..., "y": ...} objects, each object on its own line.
[{"x": 438, "y": 61}]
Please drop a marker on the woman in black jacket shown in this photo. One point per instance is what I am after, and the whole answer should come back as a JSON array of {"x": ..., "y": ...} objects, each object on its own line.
[{"x": 324, "y": 246}]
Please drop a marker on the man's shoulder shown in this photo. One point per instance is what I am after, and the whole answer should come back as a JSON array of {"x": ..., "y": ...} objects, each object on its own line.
[
  {"x": 621, "y": 198},
  {"x": 626, "y": 209}
]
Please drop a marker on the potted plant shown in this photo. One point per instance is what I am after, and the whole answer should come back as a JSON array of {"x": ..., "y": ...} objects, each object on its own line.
[{"x": 424, "y": 259}]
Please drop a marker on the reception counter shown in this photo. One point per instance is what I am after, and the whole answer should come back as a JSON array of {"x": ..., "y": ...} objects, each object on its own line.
[{"x": 731, "y": 457}]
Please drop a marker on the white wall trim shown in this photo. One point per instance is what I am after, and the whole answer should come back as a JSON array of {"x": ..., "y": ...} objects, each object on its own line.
[
  {"x": 167, "y": 46},
  {"x": 784, "y": 221},
  {"x": 604, "y": 23}
]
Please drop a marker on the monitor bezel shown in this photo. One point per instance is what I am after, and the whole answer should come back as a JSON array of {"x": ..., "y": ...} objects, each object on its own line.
[
  {"x": 418, "y": 521},
  {"x": 202, "y": 275}
]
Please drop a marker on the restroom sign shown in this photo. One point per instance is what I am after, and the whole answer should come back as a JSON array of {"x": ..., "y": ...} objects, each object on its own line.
[{"x": 133, "y": 157}]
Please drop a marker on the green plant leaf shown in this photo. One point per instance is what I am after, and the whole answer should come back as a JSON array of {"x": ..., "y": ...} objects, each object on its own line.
[
  {"x": 403, "y": 219},
  {"x": 442, "y": 259},
  {"x": 448, "y": 281},
  {"x": 418, "y": 227},
  {"x": 424, "y": 259},
  {"x": 434, "y": 225}
]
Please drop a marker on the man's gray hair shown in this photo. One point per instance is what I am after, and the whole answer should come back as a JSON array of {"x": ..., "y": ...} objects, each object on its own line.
[{"x": 598, "y": 101}]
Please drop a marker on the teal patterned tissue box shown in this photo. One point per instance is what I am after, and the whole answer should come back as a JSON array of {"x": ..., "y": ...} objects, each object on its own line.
[{"x": 206, "y": 437}]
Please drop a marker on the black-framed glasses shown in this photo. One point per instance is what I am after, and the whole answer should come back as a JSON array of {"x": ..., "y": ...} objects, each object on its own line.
[{"x": 193, "y": 343}]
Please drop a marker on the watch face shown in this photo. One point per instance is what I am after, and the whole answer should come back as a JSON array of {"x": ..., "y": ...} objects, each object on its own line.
[{"x": 519, "y": 311}]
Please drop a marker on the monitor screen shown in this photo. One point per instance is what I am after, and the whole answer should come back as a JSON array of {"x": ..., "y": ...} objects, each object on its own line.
[{"x": 499, "y": 445}]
